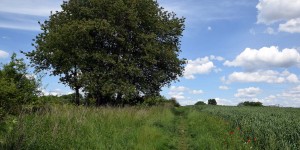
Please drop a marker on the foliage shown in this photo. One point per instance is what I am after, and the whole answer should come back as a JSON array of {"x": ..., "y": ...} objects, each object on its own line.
[
  {"x": 115, "y": 51},
  {"x": 17, "y": 88},
  {"x": 200, "y": 103},
  {"x": 212, "y": 102},
  {"x": 174, "y": 102},
  {"x": 247, "y": 103}
]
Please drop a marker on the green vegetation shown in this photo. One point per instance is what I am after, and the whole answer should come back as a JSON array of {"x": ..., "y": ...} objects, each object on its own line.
[
  {"x": 247, "y": 103},
  {"x": 115, "y": 51},
  {"x": 200, "y": 103},
  {"x": 212, "y": 102},
  {"x": 262, "y": 127}
]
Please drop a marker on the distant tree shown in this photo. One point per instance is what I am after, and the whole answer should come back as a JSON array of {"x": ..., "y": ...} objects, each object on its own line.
[
  {"x": 247, "y": 103},
  {"x": 200, "y": 103},
  {"x": 115, "y": 50},
  {"x": 212, "y": 102}
]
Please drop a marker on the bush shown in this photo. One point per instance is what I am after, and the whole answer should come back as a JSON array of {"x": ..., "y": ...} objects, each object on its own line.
[
  {"x": 200, "y": 103},
  {"x": 174, "y": 102},
  {"x": 247, "y": 103}
]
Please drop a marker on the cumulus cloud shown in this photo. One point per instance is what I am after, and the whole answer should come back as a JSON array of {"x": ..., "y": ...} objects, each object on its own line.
[
  {"x": 287, "y": 98},
  {"x": 223, "y": 87},
  {"x": 266, "y": 76},
  {"x": 292, "y": 26},
  {"x": 55, "y": 92},
  {"x": 201, "y": 66},
  {"x": 250, "y": 92},
  {"x": 177, "y": 92},
  {"x": 3, "y": 54},
  {"x": 265, "y": 58},
  {"x": 272, "y": 11},
  {"x": 196, "y": 92}
]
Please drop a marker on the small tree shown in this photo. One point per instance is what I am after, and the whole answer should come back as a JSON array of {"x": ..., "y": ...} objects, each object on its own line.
[
  {"x": 200, "y": 103},
  {"x": 17, "y": 87},
  {"x": 212, "y": 102}
]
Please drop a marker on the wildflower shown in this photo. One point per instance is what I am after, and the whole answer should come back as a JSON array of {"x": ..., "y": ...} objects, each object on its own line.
[
  {"x": 248, "y": 141},
  {"x": 231, "y": 132}
]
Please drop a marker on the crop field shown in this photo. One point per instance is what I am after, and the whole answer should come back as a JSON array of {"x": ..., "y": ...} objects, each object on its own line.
[
  {"x": 262, "y": 127},
  {"x": 159, "y": 127}
]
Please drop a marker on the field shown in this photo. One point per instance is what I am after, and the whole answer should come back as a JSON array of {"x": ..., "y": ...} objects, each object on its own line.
[{"x": 160, "y": 127}]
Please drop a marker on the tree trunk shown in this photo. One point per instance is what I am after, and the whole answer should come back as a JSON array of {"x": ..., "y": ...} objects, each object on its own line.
[{"x": 77, "y": 100}]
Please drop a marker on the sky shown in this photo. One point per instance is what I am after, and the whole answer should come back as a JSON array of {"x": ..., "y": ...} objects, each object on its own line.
[{"x": 245, "y": 50}]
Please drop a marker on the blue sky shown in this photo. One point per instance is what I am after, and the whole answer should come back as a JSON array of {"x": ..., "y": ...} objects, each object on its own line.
[{"x": 237, "y": 50}]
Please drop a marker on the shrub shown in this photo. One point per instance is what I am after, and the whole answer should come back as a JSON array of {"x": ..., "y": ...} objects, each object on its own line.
[
  {"x": 247, "y": 103},
  {"x": 200, "y": 103}
]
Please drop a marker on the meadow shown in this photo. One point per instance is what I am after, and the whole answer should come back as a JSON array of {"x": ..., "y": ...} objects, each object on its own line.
[{"x": 157, "y": 127}]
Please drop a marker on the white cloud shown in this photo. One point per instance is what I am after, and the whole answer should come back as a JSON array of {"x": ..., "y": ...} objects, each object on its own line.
[
  {"x": 266, "y": 76},
  {"x": 288, "y": 98},
  {"x": 177, "y": 92},
  {"x": 218, "y": 58},
  {"x": 270, "y": 30},
  {"x": 223, "y": 87},
  {"x": 209, "y": 28},
  {"x": 250, "y": 92},
  {"x": 265, "y": 58},
  {"x": 55, "y": 92},
  {"x": 3, "y": 54},
  {"x": 201, "y": 66},
  {"x": 222, "y": 101},
  {"x": 30, "y": 7},
  {"x": 292, "y": 26},
  {"x": 270, "y": 11},
  {"x": 196, "y": 92}
]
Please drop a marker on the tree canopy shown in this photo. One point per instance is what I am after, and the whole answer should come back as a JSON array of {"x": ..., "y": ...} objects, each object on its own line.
[
  {"x": 115, "y": 51},
  {"x": 212, "y": 102},
  {"x": 247, "y": 103}
]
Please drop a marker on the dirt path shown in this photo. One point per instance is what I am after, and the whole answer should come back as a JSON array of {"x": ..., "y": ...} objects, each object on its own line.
[{"x": 182, "y": 131}]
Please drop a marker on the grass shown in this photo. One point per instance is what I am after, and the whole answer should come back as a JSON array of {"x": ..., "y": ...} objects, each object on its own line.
[
  {"x": 70, "y": 127},
  {"x": 159, "y": 127}
]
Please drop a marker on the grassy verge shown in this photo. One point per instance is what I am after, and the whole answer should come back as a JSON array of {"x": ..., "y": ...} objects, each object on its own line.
[
  {"x": 140, "y": 128},
  {"x": 69, "y": 127}
]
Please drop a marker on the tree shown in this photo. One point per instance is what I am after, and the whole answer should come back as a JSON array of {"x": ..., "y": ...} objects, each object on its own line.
[
  {"x": 212, "y": 102},
  {"x": 115, "y": 50},
  {"x": 17, "y": 87},
  {"x": 200, "y": 103},
  {"x": 247, "y": 103}
]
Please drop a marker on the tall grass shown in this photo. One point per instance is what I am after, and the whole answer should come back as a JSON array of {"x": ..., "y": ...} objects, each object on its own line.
[{"x": 70, "y": 127}]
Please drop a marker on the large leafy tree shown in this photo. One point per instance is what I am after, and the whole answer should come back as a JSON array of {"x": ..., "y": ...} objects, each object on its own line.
[{"x": 116, "y": 50}]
